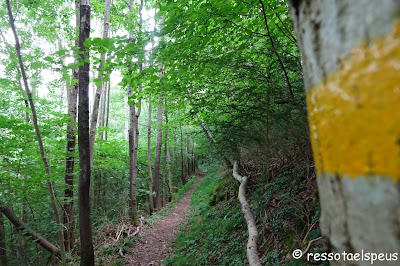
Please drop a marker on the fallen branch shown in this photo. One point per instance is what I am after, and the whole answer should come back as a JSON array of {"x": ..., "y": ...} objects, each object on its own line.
[
  {"x": 26, "y": 231},
  {"x": 252, "y": 254},
  {"x": 310, "y": 243}
]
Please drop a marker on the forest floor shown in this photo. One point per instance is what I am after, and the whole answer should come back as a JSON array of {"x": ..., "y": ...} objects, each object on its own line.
[{"x": 155, "y": 241}]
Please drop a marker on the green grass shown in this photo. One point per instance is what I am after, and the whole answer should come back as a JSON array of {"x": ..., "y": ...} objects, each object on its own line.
[
  {"x": 216, "y": 233},
  {"x": 213, "y": 235}
]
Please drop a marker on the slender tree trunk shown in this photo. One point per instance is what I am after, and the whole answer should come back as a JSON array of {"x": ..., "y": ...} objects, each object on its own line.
[
  {"x": 134, "y": 135},
  {"x": 157, "y": 156},
  {"x": 126, "y": 106},
  {"x": 3, "y": 250},
  {"x": 351, "y": 51},
  {"x": 35, "y": 123},
  {"x": 85, "y": 226},
  {"x": 164, "y": 178},
  {"x": 132, "y": 179},
  {"x": 192, "y": 165},
  {"x": 188, "y": 152},
  {"x": 72, "y": 94},
  {"x": 103, "y": 101},
  {"x": 151, "y": 202},
  {"x": 108, "y": 109},
  {"x": 182, "y": 162},
  {"x": 99, "y": 90},
  {"x": 167, "y": 152},
  {"x": 63, "y": 84},
  {"x": 25, "y": 230}
]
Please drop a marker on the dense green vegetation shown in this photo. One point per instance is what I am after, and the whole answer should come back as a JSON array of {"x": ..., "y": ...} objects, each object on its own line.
[{"x": 215, "y": 232}]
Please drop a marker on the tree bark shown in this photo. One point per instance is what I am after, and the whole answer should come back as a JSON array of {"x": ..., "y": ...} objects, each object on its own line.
[
  {"x": 3, "y": 250},
  {"x": 151, "y": 202},
  {"x": 182, "y": 162},
  {"x": 252, "y": 254},
  {"x": 85, "y": 226},
  {"x": 36, "y": 126},
  {"x": 25, "y": 230},
  {"x": 108, "y": 109},
  {"x": 99, "y": 90},
  {"x": 206, "y": 130},
  {"x": 188, "y": 152},
  {"x": 168, "y": 155},
  {"x": 164, "y": 177},
  {"x": 63, "y": 84},
  {"x": 103, "y": 101},
  {"x": 134, "y": 135},
  {"x": 72, "y": 94},
  {"x": 157, "y": 155},
  {"x": 351, "y": 52}
]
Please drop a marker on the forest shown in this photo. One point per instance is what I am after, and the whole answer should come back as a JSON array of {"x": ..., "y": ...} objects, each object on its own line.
[{"x": 199, "y": 132}]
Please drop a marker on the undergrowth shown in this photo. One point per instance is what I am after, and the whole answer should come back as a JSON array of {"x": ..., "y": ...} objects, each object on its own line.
[{"x": 286, "y": 209}]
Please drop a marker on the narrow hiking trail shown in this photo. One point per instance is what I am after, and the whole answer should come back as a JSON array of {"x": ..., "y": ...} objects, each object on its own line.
[{"x": 155, "y": 241}]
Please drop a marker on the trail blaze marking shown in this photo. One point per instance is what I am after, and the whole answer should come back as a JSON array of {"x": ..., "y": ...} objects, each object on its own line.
[{"x": 355, "y": 112}]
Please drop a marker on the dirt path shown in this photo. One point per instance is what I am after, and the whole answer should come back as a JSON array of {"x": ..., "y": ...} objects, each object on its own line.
[{"x": 155, "y": 241}]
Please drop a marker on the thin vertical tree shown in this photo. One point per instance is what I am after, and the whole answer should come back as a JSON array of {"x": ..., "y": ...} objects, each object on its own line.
[
  {"x": 182, "y": 177},
  {"x": 134, "y": 133},
  {"x": 85, "y": 226},
  {"x": 102, "y": 112},
  {"x": 100, "y": 88},
  {"x": 188, "y": 152},
  {"x": 151, "y": 201},
  {"x": 3, "y": 250},
  {"x": 167, "y": 151},
  {"x": 157, "y": 155},
  {"x": 164, "y": 175},
  {"x": 107, "y": 110},
  {"x": 72, "y": 95}
]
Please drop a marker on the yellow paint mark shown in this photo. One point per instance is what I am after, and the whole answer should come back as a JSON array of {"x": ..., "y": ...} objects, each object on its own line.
[{"x": 355, "y": 114}]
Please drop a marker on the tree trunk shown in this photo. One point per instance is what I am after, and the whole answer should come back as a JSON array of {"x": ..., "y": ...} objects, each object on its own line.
[
  {"x": 252, "y": 254},
  {"x": 85, "y": 226},
  {"x": 151, "y": 202},
  {"x": 126, "y": 105},
  {"x": 132, "y": 161},
  {"x": 36, "y": 126},
  {"x": 134, "y": 135},
  {"x": 108, "y": 109},
  {"x": 351, "y": 53},
  {"x": 182, "y": 162},
  {"x": 103, "y": 101},
  {"x": 72, "y": 94},
  {"x": 188, "y": 152},
  {"x": 99, "y": 90},
  {"x": 26, "y": 231},
  {"x": 167, "y": 152},
  {"x": 63, "y": 84},
  {"x": 102, "y": 111},
  {"x": 157, "y": 156},
  {"x": 164, "y": 176},
  {"x": 3, "y": 250},
  {"x": 193, "y": 160}
]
